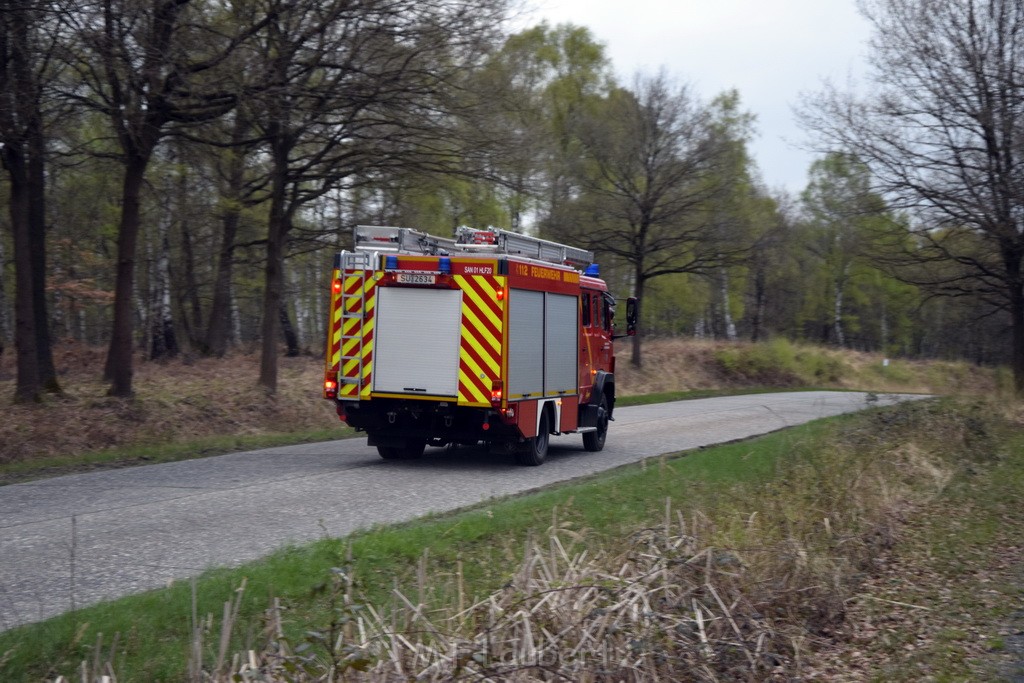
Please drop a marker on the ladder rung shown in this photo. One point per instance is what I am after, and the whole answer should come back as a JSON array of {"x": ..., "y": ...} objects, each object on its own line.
[
  {"x": 356, "y": 264},
  {"x": 466, "y": 241}
]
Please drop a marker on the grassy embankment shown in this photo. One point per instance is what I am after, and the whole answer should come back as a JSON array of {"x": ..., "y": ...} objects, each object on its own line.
[
  {"x": 880, "y": 546},
  {"x": 192, "y": 407}
]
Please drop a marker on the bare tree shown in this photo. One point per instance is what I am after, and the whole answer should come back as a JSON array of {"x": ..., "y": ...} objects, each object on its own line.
[
  {"x": 234, "y": 194},
  {"x": 943, "y": 134},
  {"x": 27, "y": 30},
  {"x": 147, "y": 67},
  {"x": 652, "y": 164},
  {"x": 5, "y": 323},
  {"x": 349, "y": 93}
]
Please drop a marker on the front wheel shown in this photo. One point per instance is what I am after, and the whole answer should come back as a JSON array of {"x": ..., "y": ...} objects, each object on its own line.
[
  {"x": 534, "y": 451},
  {"x": 594, "y": 441}
]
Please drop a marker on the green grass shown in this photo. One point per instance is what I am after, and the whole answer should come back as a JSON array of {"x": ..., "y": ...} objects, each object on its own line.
[
  {"x": 666, "y": 396},
  {"x": 488, "y": 540},
  {"x": 151, "y": 454},
  {"x": 781, "y": 362},
  {"x": 961, "y": 562}
]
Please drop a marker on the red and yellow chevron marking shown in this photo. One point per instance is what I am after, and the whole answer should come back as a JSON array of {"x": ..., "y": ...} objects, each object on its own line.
[
  {"x": 480, "y": 347},
  {"x": 355, "y": 338},
  {"x": 333, "y": 355}
]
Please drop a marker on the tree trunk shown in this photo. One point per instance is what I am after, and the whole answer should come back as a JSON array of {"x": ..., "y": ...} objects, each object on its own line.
[
  {"x": 119, "y": 355},
  {"x": 217, "y": 328},
  {"x": 760, "y": 296},
  {"x": 837, "y": 309},
  {"x": 5, "y": 323},
  {"x": 700, "y": 328},
  {"x": 27, "y": 386},
  {"x": 883, "y": 329},
  {"x": 291, "y": 340},
  {"x": 184, "y": 286},
  {"x": 37, "y": 246},
  {"x": 236, "y": 320},
  {"x": 21, "y": 154},
  {"x": 1012, "y": 259},
  {"x": 273, "y": 275},
  {"x": 164, "y": 341},
  {"x": 319, "y": 328},
  {"x": 635, "y": 358},
  {"x": 300, "y": 300},
  {"x": 723, "y": 289},
  {"x": 217, "y": 331},
  {"x": 193, "y": 306},
  {"x": 1017, "y": 315}
]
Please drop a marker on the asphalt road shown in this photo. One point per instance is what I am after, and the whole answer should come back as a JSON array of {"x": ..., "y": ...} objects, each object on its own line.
[{"x": 130, "y": 530}]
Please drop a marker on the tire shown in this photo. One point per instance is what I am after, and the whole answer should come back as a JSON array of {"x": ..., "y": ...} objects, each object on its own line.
[
  {"x": 594, "y": 441},
  {"x": 410, "y": 451},
  {"x": 534, "y": 451}
]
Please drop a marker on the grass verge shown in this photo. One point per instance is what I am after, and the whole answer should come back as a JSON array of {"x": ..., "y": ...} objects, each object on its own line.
[
  {"x": 788, "y": 530},
  {"x": 666, "y": 396},
  {"x": 947, "y": 604}
]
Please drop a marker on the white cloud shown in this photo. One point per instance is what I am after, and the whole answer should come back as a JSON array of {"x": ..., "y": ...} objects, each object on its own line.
[{"x": 769, "y": 50}]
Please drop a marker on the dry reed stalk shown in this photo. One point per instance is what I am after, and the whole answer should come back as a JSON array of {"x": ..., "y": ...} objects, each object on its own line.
[{"x": 670, "y": 607}]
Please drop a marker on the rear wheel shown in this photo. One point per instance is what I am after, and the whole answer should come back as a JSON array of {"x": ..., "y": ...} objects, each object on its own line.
[
  {"x": 410, "y": 451},
  {"x": 594, "y": 441},
  {"x": 534, "y": 451}
]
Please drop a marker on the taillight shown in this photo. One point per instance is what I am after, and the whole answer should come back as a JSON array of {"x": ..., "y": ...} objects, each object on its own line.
[
  {"x": 330, "y": 388},
  {"x": 496, "y": 391},
  {"x": 500, "y": 294},
  {"x": 336, "y": 286}
]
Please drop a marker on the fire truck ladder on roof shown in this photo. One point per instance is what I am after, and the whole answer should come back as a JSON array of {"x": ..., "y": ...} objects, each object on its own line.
[
  {"x": 353, "y": 265},
  {"x": 469, "y": 241}
]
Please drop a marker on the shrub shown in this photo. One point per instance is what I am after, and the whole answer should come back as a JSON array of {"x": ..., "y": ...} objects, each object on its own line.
[{"x": 781, "y": 363}]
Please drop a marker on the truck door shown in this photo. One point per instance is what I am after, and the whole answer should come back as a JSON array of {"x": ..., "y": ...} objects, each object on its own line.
[
  {"x": 603, "y": 333},
  {"x": 589, "y": 342}
]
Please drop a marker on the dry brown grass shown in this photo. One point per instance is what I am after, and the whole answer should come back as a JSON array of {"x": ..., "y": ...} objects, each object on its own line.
[
  {"x": 687, "y": 364},
  {"x": 178, "y": 400},
  {"x": 192, "y": 397}
]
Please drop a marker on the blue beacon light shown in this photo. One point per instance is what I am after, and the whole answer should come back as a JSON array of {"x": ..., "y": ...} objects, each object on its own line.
[
  {"x": 593, "y": 270},
  {"x": 391, "y": 263}
]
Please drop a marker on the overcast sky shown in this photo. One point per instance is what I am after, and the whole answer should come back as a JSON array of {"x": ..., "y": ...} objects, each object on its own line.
[{"x": 769, "y": 50}]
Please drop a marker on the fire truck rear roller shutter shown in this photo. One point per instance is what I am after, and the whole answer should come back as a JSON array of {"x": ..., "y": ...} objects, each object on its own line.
[
  {"x": 417, "y": 341},
  {"x": 560, "y": 369},
  {"x": 525, "y": 343}
]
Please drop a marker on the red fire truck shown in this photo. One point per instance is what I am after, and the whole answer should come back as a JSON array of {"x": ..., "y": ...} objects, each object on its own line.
[{"x": 491, "y": 336}]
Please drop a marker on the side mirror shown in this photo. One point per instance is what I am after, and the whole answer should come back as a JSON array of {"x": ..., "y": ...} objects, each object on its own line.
[{"x": 632, "y": 312}]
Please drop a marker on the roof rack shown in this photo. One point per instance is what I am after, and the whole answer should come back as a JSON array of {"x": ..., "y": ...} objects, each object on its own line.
[{"x": 469, "y": 241}]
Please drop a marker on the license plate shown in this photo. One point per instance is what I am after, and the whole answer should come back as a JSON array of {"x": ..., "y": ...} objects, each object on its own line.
[{"x": 415, "y": 278}]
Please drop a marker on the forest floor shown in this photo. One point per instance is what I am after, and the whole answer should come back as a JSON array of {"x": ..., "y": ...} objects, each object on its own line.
[{"x": 216, "y": 404}]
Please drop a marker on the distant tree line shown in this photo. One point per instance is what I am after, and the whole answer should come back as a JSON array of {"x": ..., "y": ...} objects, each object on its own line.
[{"x": 178, "y": 173}]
